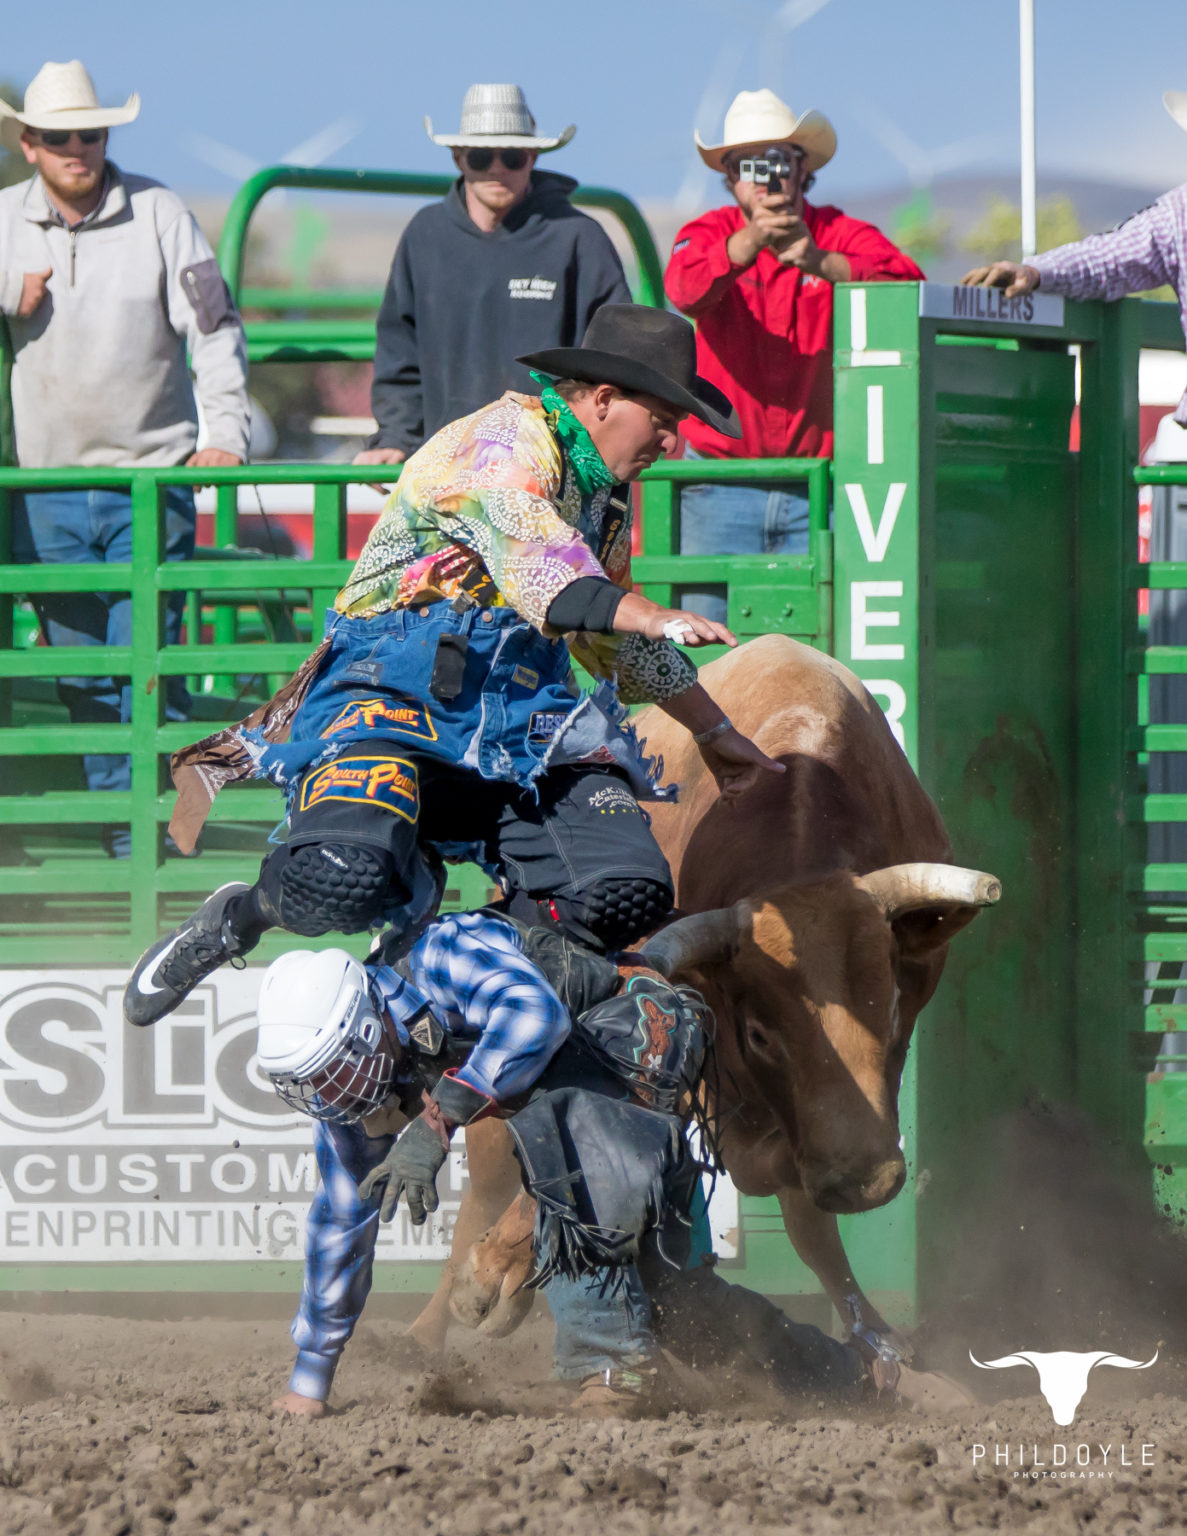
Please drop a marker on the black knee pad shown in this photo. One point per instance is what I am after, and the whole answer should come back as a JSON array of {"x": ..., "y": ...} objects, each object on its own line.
[
  {"x": 326, "y": 887},
  {"x": 611, "y": 914}
]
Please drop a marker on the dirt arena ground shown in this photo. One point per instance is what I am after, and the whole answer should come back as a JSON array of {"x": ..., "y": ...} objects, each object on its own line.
[
  {"x": 114, "y": 1426},
  {"x": 128, "y": 1427}
]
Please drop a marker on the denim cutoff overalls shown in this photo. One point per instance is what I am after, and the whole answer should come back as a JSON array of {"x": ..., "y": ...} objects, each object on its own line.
[{"x": 517, "y": 712}]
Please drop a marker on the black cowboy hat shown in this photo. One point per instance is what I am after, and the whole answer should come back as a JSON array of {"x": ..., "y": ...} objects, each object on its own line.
[{"x": 640, "y": 348}]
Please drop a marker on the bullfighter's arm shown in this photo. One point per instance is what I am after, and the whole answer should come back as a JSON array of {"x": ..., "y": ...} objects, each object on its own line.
[
  {"x": 339, "y": 1248},
  {"x": 472, "y": 969},
  {"x": 647, "y": 670}
]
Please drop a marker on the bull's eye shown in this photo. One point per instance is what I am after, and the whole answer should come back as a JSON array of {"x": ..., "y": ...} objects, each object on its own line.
[{"x": 757, "y": 1037}]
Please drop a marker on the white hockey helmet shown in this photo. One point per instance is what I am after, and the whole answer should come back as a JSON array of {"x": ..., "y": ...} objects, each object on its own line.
[{"x": 321, "y": 1040}]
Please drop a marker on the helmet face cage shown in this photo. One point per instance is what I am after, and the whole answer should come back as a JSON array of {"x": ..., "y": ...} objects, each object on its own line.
[
  {"x": 348, "y": 1089},
  {"x": 354, "y": 1079}
]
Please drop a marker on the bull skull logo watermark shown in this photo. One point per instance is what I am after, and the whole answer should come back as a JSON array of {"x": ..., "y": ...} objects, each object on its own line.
[{"x": 1063, "y": 1373}]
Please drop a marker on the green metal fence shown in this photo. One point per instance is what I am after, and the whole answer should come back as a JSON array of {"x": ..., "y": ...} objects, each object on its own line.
[
  {"x": 775, "y": 594},
  {"x": 1156, "y": 945}
]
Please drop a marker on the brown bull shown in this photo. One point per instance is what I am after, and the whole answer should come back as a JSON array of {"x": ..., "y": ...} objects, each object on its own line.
[{"x": 827, "y": 901}]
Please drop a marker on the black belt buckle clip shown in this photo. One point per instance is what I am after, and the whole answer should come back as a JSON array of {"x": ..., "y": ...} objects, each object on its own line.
[{"x": 449, "y": 666}]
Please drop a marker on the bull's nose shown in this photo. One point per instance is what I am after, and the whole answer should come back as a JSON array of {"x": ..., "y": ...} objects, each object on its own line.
[{"x": 845, "y": 1193}]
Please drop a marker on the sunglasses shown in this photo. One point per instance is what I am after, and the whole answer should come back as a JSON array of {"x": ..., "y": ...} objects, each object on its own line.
[
  {"x": 58, "y": 138},
  {"x": 483, "y": 159}
]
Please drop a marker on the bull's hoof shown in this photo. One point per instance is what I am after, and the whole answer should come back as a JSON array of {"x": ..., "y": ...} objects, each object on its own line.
[{"x": 494, "y": 1309}]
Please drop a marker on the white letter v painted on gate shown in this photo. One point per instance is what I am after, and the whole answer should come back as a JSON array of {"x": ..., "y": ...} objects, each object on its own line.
[{"x": 876, "y": 542}]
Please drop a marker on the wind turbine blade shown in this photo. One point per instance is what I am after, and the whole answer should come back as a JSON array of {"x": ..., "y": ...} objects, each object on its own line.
[
  {"x": 231, "y": 162},
  {"x": 728, "y": 11},
  {"x": 952, "y": 156},
  {"x": 898, "y": 144},
  {"x": 710, "y": 111},
  {"x": 326, "y": 142},
  {"x": 892, "y": 137},
  {"x": 793, "y": 13}
]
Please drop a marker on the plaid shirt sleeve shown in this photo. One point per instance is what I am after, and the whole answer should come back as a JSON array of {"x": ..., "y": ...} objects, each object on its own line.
[
  {"x": 1142, "y": 253},
  {"x": 472, "y": 969},
  {"x": 339, "y": 1248}
]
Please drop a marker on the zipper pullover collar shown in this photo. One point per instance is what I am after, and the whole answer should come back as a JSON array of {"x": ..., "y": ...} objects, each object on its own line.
[{"x": 40, "y": 209}]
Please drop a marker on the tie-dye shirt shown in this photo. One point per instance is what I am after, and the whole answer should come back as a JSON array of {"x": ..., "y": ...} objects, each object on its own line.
[{"x": 491, "y": 495}]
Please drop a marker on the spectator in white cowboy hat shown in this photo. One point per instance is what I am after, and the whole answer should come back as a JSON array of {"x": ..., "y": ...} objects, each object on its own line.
[
  {"x": 503, "y": 265},
  {"x": 757, "y": 276},
  {"x": 105, "y": 281},
  {"x": 1147, "y": 250}
]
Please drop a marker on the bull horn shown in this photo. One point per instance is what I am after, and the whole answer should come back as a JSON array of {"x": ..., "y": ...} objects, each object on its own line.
[
  {"x": 700, "y": 939},
  {"x": 904, "y": 888}
]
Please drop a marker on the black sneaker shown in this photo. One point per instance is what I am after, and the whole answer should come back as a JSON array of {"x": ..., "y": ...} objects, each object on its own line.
[{"x": 172, "y": 967}]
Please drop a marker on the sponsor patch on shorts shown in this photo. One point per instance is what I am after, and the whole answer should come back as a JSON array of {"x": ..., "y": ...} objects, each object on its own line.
[
  {"x": 613, "y": 800},
  {"x": 544, "y": 724},
  {"x": 383, "y": 715},
  {"x": 390, "y": 783},
  {"x": 524, "y": 677}
]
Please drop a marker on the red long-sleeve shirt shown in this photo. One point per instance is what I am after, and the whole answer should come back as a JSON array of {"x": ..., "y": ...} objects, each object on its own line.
[{"x": 765, "y": 332}]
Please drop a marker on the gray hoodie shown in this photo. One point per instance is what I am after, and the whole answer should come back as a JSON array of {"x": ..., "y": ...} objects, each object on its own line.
[{"x": 99, "y": 372}]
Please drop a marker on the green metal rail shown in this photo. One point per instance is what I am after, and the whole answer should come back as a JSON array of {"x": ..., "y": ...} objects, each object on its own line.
[
  {"x": 775, "y": 594},
  {"x": 335, "y": 339}
]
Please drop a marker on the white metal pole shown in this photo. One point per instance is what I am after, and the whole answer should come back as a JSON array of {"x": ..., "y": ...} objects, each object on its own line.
[{"x": 1026, "y": 89}]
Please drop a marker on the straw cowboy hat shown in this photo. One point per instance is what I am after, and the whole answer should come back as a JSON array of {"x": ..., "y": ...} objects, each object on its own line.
[
  {"x": 62, "y": 96},
  {"x": 497, "y": 117},
  {"x": 757, "y": 119},
  {"x": 640, "y": 348},
  {"x": 1175, "y": 103}
]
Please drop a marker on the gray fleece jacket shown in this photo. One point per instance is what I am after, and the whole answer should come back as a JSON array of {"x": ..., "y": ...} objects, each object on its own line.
[{"x": 99, "y": 372}]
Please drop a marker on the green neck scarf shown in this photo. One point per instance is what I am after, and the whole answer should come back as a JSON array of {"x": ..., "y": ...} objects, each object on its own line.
[{"x": 586, "y": 462}]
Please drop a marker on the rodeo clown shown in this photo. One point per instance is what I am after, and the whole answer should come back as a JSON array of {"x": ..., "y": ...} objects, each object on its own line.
[
  {"x": 441, "y": 709},
  {"x": 467, "y": 1023}
]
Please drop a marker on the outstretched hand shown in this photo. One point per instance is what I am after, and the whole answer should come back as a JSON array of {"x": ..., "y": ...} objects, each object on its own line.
[
  {"x": 301, "y": 1407},
  {"x": 638, "y": 615},
  {"x": 1013, "y": 276},
  {"x": 737, "y": 763}
]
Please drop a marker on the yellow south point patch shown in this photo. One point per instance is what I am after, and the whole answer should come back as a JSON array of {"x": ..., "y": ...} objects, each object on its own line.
[
  {"x": 377, "y": 714},
  {"x": 387, "y": 782}
]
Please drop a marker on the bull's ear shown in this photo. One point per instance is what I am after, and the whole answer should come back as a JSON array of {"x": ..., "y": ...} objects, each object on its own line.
[{"x": 927, "y": 929}]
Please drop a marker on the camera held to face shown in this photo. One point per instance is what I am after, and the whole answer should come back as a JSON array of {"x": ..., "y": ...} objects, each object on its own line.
[{"x": 772, "y": 170}]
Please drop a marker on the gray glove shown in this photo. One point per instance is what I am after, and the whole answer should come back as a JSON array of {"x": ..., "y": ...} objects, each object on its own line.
[{"x": 409, "y": 1169}]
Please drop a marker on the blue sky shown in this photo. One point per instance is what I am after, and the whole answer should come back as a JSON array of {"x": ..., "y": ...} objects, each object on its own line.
[{"x": 260, "y": 76}]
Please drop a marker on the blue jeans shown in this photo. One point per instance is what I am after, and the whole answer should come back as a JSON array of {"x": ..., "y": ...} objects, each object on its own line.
[
  {"x": 600, "y": 1324},
  {"x": 703, "y": 1320},
  {"x": 737, "y": 520},
  {"x": 602, "y": 1321},
  {"x": 95, "y": 528}
]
